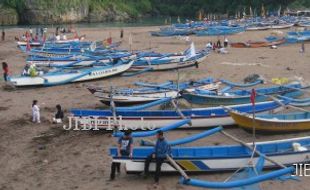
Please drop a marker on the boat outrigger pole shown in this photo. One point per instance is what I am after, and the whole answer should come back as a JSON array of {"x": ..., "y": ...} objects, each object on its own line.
[{"x": 251, "y": 148}]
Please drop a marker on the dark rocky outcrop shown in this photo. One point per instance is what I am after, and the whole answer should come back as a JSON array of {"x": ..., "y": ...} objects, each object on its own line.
[{"x": 8, "y": 16}]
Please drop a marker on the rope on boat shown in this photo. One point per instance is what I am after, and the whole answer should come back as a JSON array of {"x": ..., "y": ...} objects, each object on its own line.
[
  {"x": 177, "y": 167},
  {"x": 251, "y": 148}
]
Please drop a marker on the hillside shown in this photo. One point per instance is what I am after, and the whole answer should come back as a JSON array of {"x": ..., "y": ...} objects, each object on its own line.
[{"x": 59, "y": 11}]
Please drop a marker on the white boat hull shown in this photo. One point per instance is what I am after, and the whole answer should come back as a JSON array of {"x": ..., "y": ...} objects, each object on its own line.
[
  {"x": 69, "y": 76},
  {"x": 218, "y": 164},
  {"x": 147, "y": 123},
  {"x": 174, "y": 64},
  {"x": 128, "y": 98}
]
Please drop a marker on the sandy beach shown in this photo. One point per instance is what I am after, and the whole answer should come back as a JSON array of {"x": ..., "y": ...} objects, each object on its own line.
[{"x": 64, "y": 160}]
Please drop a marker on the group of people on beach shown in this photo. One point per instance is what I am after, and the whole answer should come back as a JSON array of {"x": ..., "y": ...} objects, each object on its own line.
[
  {"x": 218, "y": 47},
  {"x": 125, "y": 149},
  {"x": 36, "y": 116},
  {"x": 29, "y": 35}
]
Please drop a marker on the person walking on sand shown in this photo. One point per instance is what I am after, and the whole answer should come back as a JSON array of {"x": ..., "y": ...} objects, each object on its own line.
[
  {"x": 302, "y": 49},
  {"x": 122, "y": 34},
  {"x": 124, "y": 149},
  {"x": 218, "y": 43},
  {"x": 161, "y": 150},
  {"x": 3, "y": 34},
  {"x": 35, "y": 112},
  {"x": 5, "y": 68},
  {"x": 59, "y": 115}
]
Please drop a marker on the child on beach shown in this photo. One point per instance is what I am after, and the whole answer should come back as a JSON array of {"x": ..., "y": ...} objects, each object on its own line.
[
  {"x": 59, "y": 115},
  {"x": 35, "y": 112},
  {"x": 302, "y": 49}
]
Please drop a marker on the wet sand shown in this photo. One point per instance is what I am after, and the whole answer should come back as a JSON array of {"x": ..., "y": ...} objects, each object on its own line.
[{"x": 79, "y": 159}]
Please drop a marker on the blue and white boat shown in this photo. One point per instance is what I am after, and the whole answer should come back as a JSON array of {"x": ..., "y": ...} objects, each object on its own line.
[
  {"x": 215, "y": 158},
  {"x": 200, "y": 117},
  {"x": 70, "y": 75},
  {"x": 232, "y": 97},
  {"x": 170, "y": 61}
]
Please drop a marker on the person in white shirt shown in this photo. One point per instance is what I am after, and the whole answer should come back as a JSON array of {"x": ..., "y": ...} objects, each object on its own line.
[
  {"x": 35, "y": 112},
  {"x": 225, "y": 42}
]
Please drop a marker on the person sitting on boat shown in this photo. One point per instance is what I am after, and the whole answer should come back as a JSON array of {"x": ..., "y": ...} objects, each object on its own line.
[
  {"x": 57, "y": 37},
  {"x": 33, "y": 71},
  {"x": 161, "y": 150},
  {"x": 59, "y": 115},
  {"x": 125, "y": 148},
  {"x": 26, "y": 70}
]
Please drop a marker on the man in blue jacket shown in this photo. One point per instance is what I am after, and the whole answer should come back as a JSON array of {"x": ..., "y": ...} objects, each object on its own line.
[{"x": 162, "y": 148}]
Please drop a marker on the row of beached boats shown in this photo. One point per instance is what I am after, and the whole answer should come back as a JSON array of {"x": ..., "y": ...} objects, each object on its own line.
[
  {"x": 67, "y": 63},
  {"x": 225, "y": 102},
  {"x": 228, "y": 27},
  {"x": 272, "y": 41},
  {"x": 232, "y": 106},
  {"x": 222, "y": 103}
]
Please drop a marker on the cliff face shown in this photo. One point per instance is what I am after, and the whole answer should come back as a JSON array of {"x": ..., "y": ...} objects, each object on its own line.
[
  {"x": 8, "y": 16},
  {"x": 60, "y": 11},
  {"x": 36, "y": 15}
]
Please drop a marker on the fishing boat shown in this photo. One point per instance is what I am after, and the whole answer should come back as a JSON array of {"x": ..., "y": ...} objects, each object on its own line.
[
  {"x": 241, "y": 96},
  {"x": 281, "y": 26},
  {"x": 215, "y": 158},
  {"x": 257, "y": 44},
  {"x": 290, "y": 122},
  {"x": 170, "y": 61},
  {"x": 78, "y": 60},
  {"x": 69, "y": 75},
  {"x": 149, "y": 92},
  {"x": 219, "y": 30},
  {"x": 256, "y": 27},
  {"x": 31, "y": 43},
  {"x": 201, "y": 117}
]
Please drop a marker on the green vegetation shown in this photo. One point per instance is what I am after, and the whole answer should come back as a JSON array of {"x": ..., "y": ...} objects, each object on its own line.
[
  {"x": 192, "y": 7},
  {"x": 138, "y": 8},
  {"x": 134, "y": 8}
]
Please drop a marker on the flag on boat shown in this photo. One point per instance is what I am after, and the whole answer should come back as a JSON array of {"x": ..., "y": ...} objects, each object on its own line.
[
  {"x": 93, "y": 46},
  {"x": 253, "y": 95},
  {"x": 263, "y": 12},
  {"x": 251, "y": 12},
  {"x": 279, "y": 11},
  {"x": 190, "y": 52},
  {"x": 200, "y": 15},
  {"x": 130, "y": 39}
]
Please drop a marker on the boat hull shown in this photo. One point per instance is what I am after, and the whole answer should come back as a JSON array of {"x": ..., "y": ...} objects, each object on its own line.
[
  {"x": 145, "y": 120},
  {"x": 69, "y": 77},
  {"x": 217, "y": 160},
  {"x": 269, "y": 125},
  {"x": 215, "y": 100}
]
